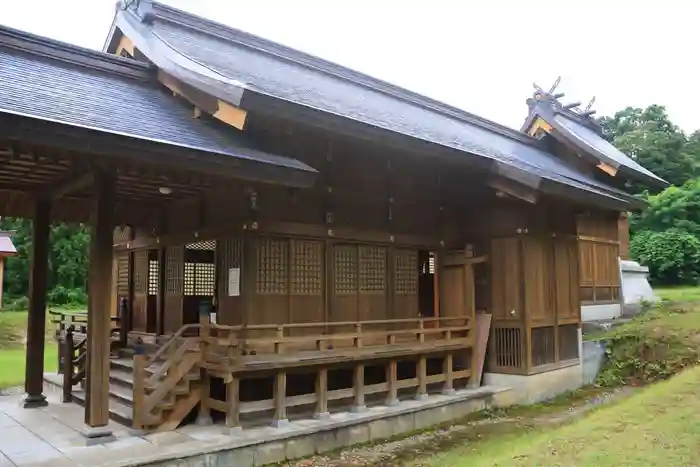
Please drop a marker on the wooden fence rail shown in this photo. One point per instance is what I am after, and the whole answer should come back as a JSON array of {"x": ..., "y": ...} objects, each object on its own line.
[
  {"x": 175, "y": 378},
  {"x": 74, "y": 350}
]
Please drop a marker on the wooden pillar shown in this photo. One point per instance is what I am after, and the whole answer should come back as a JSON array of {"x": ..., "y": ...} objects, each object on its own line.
[
  {"x": 36, "y": 324},
  {"x": 100, "y": 280}
]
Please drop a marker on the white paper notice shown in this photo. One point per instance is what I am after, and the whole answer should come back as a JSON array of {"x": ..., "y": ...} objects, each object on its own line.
[{"x": 234, "y": 282}]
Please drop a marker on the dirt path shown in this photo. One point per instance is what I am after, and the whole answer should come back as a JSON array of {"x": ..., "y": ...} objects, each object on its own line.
[{"x": 411, "y": 449}]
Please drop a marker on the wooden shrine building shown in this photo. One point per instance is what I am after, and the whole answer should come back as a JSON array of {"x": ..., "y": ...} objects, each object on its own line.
[{"x": 276, "y": 234}]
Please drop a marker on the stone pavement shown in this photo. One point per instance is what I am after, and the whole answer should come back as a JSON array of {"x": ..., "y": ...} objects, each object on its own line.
[{"x": 51, "y": 436}]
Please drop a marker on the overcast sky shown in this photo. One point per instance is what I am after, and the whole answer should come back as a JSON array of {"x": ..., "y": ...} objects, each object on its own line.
[{"x": 480, "y": 55}]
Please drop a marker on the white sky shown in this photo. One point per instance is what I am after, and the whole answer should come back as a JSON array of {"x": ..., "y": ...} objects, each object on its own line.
[{"x": 480, "y": 55}]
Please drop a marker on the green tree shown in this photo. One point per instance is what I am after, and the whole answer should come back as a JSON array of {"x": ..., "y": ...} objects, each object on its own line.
[
  {"x": 68, "y": 259},
  {"x": 649, "y": 137}
]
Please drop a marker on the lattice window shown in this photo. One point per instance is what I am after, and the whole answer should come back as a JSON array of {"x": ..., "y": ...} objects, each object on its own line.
[
  {"x": 206, "y": 245},
  {"x": 307, "y": 268},
  {"x": 204, "y": 277},
  {"x": 507, "y": 345},
  {"x": 188, "y": 280},
  {"x": 153, "y": 277},
  {"x": 568, "y": 342},
  {"x": 123, "y": 274},
  {"x": 345, "y": 269},
  {"x": 273, "y": 266},
  {"x": 406, "y": 272},
  {"x": 542, "y": 345},
  {"x": 372, "y": 269}
]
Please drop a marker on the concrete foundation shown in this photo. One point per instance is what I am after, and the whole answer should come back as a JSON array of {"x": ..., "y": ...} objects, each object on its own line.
[
  {"x": 607, "y": 311},
  {"x": 539, "y": 387}
]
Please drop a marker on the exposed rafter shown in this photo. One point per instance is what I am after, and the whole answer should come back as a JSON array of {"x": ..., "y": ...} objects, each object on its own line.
[{"x": 69, "y": 183}]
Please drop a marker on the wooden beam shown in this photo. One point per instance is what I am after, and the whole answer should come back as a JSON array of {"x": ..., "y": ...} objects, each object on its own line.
[
  {"x": 219, "y": 109},
  {"x": 68, "y": 183},
  {"x": 100, "y": 279},
  {"x": 36, "y": 325},
  {"x": 125, "y": 45},
  {"x": 608, "y": 169},
  {"x": 508, "y": 187}
]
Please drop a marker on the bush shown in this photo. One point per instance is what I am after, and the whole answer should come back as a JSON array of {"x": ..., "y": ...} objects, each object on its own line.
[
  {"x": 18, "y": 304},
  {"x": 62, "y": 296},
  {"x": 673, "y": 256},
  {"x": 653, "y": 347}
]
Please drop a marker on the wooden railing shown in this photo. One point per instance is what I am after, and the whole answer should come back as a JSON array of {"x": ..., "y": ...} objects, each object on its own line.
[
  {"x": 164, "y": 383},
  {"x": 170, "y": 383},
  {"x": 74, "y": 351},
  {"x": 229, "y": 353}
]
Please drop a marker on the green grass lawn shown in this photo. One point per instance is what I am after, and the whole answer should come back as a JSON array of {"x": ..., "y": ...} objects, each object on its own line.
[
  {"x": 679, "y": 294},
  {"x": 656, "y": 426},
  {"x": 12, "y": 364},
  {"x": 13, "y": 329}
]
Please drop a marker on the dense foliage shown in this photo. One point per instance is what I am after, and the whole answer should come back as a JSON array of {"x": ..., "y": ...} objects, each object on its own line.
[
  {"x": 67, "y": 263},
  {"x": 665, "y": 236},
  {"x": 652, "y": 347}
]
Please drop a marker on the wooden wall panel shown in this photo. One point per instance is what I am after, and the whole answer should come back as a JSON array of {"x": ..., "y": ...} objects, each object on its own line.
[
  {"x": 623, "y": 228},
  {"x": 229, "y": 255},
  {"x": 567, "y": 280},
  {"x": 174, "y": 279},
  {"x": 537, "y": 277},
  {"x": 506, "y": 279}
]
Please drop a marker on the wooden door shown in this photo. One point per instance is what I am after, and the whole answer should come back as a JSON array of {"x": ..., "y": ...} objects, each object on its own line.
[
  {"x": 456, "y": 286},
  {"x": 139, "y": 309},
  {"x": 174, "y": 272}
]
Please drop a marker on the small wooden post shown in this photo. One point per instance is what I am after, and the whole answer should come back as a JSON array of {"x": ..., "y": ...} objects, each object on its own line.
[
  {"x": 321, "y": 394},
  {"x": 358, "y": 336},
  {"x": 358, "y": 385},
  {"x": 448, "y": 389},
  {"x": 204, "y": 414},
  {"x": 358, "y": 380},
  {"x": 280, "y": 389},
  {"x": 137, "y": 415},
  {"x": 278, "y": 343},
  {"x": 422, "y": 370},
  {"x": 392, "y": 395},
  {"x": 67, "y": 346},
  {"x": 233, "y": 412}
]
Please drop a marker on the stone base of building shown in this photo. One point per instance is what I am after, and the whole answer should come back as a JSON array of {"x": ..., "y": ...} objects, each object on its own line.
[
  {"x": 536, "y": 388},
  {"x": 602, "y": 312}
]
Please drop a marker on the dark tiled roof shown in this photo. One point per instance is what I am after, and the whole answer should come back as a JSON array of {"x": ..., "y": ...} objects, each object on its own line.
[
  {"x": 93, "y": 90},
  {"x": 208, "y": 50},
  {"x": 591, "y": 141}
]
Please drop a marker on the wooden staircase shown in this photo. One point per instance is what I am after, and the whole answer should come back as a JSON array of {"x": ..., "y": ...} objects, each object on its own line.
[{"x": 170, "y": 390}]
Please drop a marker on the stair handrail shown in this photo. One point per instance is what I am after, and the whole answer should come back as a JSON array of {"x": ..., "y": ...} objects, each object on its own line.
[{"x": 170, "y": 342}]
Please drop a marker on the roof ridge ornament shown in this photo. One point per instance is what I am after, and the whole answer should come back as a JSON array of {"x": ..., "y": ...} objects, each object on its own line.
[{"x": 142, "y": 8}]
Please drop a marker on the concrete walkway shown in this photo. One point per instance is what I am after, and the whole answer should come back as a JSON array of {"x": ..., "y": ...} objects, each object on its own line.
[{"x": 51, "y": 436}]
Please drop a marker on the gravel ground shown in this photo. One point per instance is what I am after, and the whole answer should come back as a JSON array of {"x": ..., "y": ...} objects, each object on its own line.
[{"x": 396, "y": 452}]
